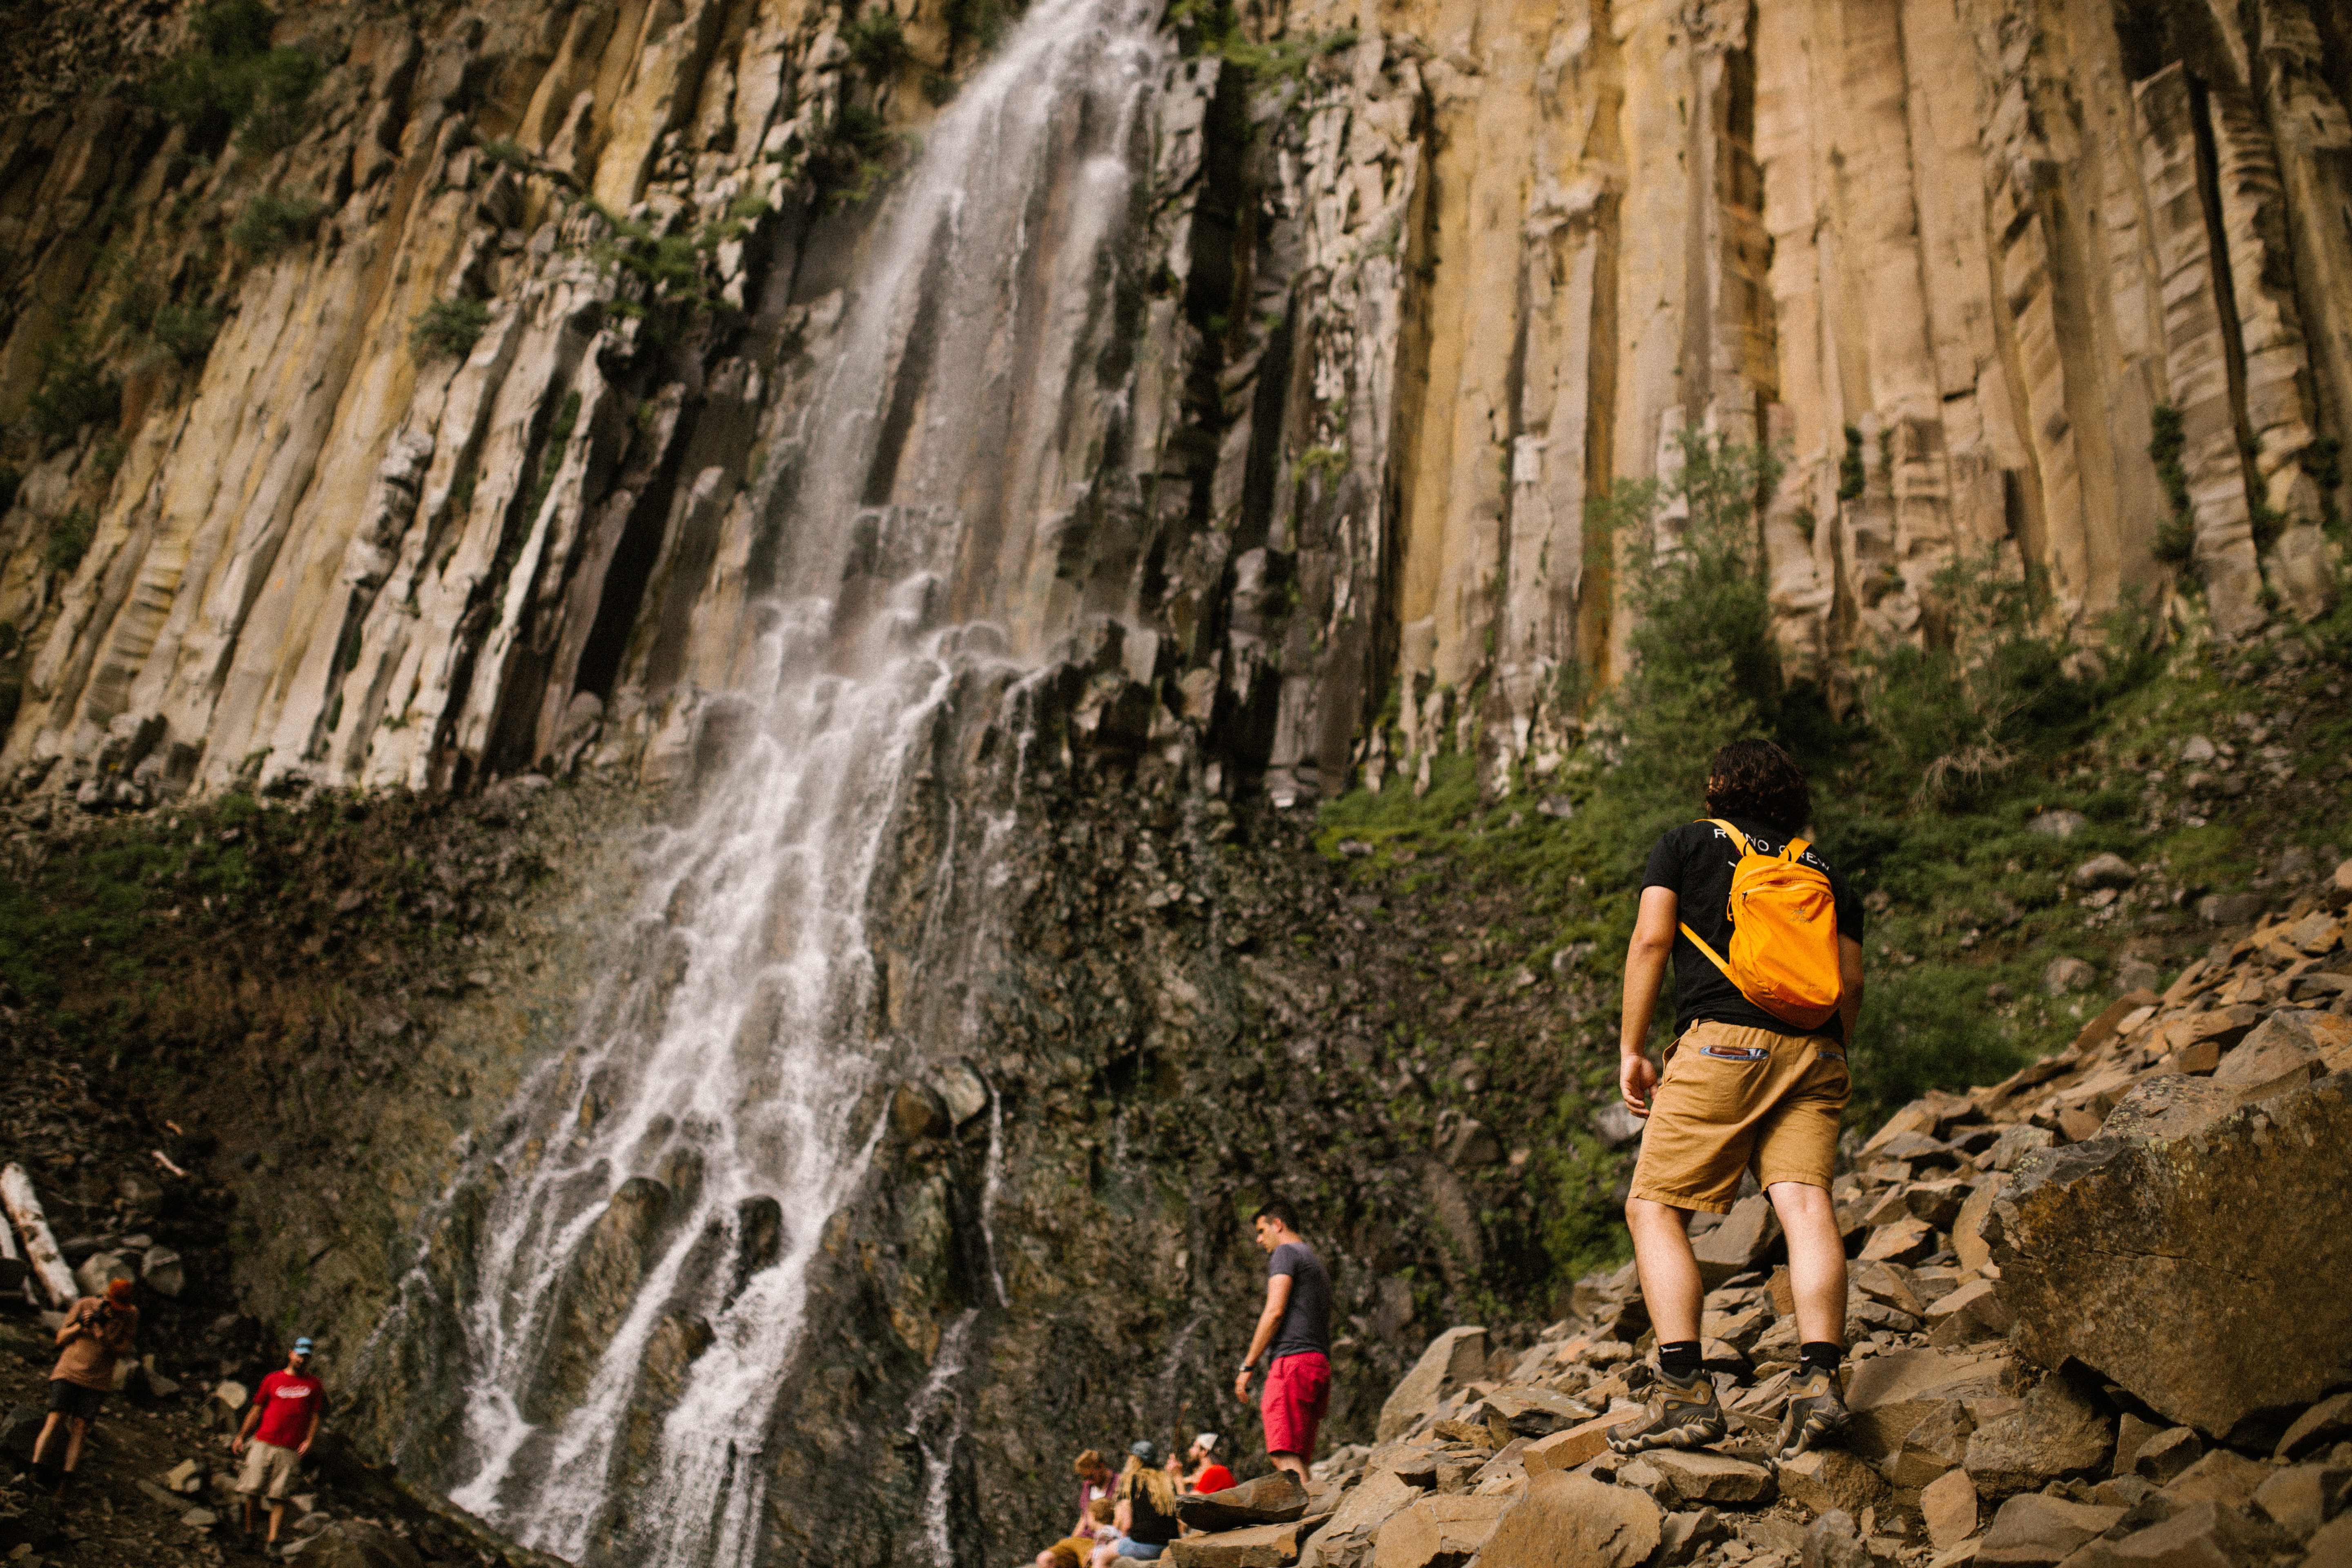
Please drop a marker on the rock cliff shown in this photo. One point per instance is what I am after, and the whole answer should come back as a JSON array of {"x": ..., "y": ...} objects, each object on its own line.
[{"x": 416, "y": 394}]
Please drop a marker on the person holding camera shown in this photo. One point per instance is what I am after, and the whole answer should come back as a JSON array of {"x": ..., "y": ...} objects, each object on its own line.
[{"x": 97, "y": 1334}]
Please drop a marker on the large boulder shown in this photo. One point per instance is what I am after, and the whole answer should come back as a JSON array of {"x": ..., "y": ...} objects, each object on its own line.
[
  {"x": 1453, "y": 1358},
  {"x": 1693, "y": 1476},
  {"x": 2200, "y": 1535},
  {"x": 1260, "y": 1546},
  {"x": 2033, "y": 1530},
  {"x": 1738, "y": 1243},
  {"x": 1438, "y": 1533},
  {"x": 20, "y": 1428},
  {"x": 350, "y": 1543},
  {"x": 1890, "y": 1394},
  {"x": 1347, "y": 1537},
  {"x": 1276, "y": 1499},
  {"x": 2056, "y": 1434},
  {"x": 1565, "y": 1520},
  {"x": 2198, "y": 1273}
]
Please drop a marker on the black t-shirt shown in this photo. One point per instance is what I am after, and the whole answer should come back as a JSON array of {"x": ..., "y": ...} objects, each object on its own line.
[
  {"x": 1148, "y": 1526},
  {"x": 1696, "y": 862},
  {"x": 1307, "y": 1319}
]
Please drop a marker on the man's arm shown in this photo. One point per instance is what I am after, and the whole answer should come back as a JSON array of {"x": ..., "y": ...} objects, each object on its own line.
[
  {"x": 252, "y": 1420},
  {"x": 1849, "y": 985},
  {"x": 1278, "y": 1301},
  {"x": 1645, "y": 971},
  {"x": 317, "y": 1416}
]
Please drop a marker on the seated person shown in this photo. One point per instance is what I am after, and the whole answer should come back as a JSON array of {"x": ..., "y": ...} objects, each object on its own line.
[
  {"x": 1071, "y": 1552},
  {"x": 1145, "y": 1514},
  {"x": 1203, "y": 1473}
]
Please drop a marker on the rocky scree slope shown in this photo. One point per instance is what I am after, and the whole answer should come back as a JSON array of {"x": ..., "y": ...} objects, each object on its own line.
[
  {"x": 1188, "y": 1007},
  {"x": 2093, "y": 1318}
]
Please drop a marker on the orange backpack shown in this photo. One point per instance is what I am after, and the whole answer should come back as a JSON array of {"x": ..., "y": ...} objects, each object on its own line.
[{"x": 1784, "y": 951}]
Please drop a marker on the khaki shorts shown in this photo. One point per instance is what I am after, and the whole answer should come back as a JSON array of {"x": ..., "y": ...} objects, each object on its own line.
[
  {"x": 269, "y": 1470},
  {"x": 1734, "y": 1099}
]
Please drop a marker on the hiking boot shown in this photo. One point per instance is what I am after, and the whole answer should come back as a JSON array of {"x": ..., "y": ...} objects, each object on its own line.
[
  {"x": 1680, "y": 1415},
  {"x": 1815, "y": 1412}
]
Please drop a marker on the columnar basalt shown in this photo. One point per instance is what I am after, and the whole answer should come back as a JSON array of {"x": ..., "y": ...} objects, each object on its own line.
[{"x": 1401, "y": 313}]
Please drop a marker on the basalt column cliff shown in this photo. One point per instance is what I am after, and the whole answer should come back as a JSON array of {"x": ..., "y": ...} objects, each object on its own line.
[{"x": 1412, "y": 283}]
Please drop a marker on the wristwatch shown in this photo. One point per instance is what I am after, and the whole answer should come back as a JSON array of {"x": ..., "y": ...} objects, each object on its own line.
[{"x": 1249, "y": 1366}]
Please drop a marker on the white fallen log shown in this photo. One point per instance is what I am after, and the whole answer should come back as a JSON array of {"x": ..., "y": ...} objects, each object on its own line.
[{"x": 24, "y": 1211}]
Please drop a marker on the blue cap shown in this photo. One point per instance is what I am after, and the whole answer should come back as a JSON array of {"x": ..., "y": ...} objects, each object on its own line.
[
  {"x": 302, "y": 1347},
  {"x": 1147, "y": 1450}
]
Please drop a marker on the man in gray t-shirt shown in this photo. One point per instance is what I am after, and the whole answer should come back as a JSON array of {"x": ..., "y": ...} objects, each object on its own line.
[{"x": 1295, "y": 1331}]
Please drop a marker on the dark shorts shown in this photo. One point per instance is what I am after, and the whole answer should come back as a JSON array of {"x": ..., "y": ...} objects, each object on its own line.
[{"x": 74, "y": 1401}]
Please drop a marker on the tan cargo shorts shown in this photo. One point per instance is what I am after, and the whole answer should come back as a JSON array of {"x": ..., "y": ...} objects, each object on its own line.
[
  {"x": 270, "y": 1471},
  {"x": 1732, "y": 1099}
]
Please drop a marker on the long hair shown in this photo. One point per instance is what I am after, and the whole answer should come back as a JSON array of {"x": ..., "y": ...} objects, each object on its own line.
[{"x": 1157, "y": 1482}]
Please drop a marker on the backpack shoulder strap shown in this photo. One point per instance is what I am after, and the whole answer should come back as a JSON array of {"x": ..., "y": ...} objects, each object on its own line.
[
  {"x": 1796, "y": 850},
  {"x": 1712, "y": 957},
  {"x": 1737, "y": 836}
]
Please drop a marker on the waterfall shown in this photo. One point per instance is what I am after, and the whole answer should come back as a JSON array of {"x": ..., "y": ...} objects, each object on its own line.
[
  {"x": 640, "y": 1279},
  {"x": 935, "y": 1421}
]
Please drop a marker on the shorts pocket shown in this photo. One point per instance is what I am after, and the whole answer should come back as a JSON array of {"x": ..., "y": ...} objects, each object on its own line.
[
  {"x": 1719, "y": 1083},
  {"x": 1830, "y": 1080}
]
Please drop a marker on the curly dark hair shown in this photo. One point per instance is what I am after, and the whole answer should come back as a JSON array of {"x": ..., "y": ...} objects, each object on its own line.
[{"x": 1759, "y": 781}]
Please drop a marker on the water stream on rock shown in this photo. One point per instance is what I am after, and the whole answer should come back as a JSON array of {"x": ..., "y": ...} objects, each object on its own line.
[{"x": 640, "y": 1281}]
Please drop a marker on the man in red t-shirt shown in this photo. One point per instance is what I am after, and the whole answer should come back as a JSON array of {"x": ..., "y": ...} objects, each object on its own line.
[
  {"x": 278, "y": 1426},
  {"x": 1207, "y": 1475}
]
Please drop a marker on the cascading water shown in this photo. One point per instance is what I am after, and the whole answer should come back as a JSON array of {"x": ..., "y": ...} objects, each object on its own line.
[{"x": 648, "y": 1332}]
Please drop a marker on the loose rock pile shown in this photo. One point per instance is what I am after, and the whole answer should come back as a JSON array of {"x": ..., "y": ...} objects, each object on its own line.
[{"x": 2096, "y": 1317}]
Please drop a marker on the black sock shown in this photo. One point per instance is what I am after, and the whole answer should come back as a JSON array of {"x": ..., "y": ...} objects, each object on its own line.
[
  {"x": 1678, "y": 1361},
  {"x": 1821, "y": 1355}
]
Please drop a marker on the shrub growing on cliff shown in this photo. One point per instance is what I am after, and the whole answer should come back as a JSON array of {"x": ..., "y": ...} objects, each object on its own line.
[
  {"x": 74, "y": 391},
  {"x": 1950, "y": 712},
  {"x": 2176, "y": 531},
  {"x": 233, "y": 80},
  {"x": 187, "y": 332},
  {"x": 877, "y": 42},
  {"x": 68, "y": 540},
  {"x": 270, "y": 224},
  {"x": 448, "y": 329}
]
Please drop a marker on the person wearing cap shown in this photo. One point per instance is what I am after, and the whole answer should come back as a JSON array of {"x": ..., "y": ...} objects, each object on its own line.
[
  {"x": 279, "y": 1426},
  {"x": 1145, "y": 1514},
  {"x": 1203, "y": 1473},
  {"x": 96, "y": 1334}
]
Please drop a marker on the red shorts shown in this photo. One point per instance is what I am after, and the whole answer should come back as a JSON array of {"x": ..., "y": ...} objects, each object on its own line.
[{"x": 1297, "y": 1392}]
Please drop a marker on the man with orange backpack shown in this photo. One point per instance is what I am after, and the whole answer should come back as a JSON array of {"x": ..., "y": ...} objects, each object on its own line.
[{"x": 1766, "y": 942}]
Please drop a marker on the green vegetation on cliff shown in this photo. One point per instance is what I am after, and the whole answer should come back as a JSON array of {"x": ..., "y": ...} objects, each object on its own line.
[{"x": 1977, "y": 774}]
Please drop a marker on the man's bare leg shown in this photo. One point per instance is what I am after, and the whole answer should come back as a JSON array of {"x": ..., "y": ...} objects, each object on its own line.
[
  {"x": 75, "y": 1432},
  {"x": 1817, "y": 1276},
  {"x": 1670, "y": 1281},
  {"x": 1816, "y": 1260},
  {"x": 1682, "y": 1412},
  {"x": 1291, "y": 1462},
  {"x": 48, "y": 1430}
]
